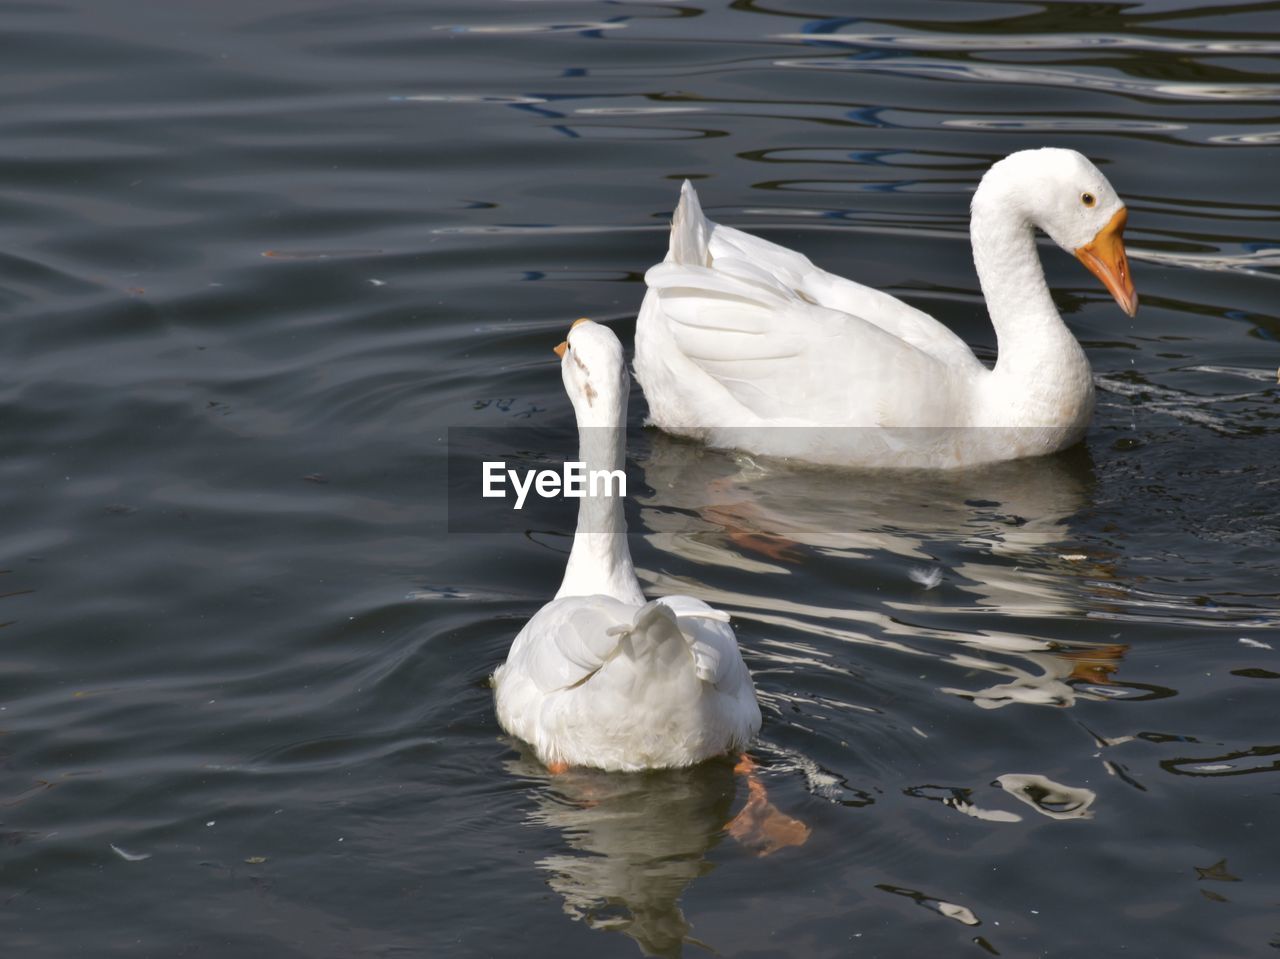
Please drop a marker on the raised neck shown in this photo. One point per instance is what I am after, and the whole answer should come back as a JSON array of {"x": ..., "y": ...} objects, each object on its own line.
[
  {"x": 600, "y": 561},
  {"x": 1040, "y": 367}
]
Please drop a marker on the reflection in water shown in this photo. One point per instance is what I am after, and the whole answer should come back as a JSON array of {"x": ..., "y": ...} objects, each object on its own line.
[
  {"x": 961, "y": 800},
  {"x": 1048, "y": 797},
  {"x": 1044, "y": 76},
  {"x": 1220, "y": 412},
  {"x": 1014, "y": 507},
  {"x": 1048, "y": 687},
  {"x": 1065, "y": 675},
  {"x": 637, "y": 841},
  {"x": 1264, "y": 138},
  {"x": 1239, "y": 763},
  {"x": 951, "y": 910},
  {"x": 1032, "y": 41},
  {"x": 767, "y": 516},
  {"x": 523, "y": 28},
  {"x": 1091, "y": 125}
]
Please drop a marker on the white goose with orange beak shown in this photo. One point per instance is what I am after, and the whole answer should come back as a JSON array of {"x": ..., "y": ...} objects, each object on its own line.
[
  {"x": 745, "y": 344},
  {"x": 599, "y": 677}
]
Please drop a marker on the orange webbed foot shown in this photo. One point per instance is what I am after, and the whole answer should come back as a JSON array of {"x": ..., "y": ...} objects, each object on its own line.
[
  {"x": 557, "y": 769},
  {"x": 761, "y": 826}
]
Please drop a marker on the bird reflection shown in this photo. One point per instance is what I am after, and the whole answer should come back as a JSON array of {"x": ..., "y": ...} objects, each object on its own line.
[
  {"x": 1049, "y": 798},
  {"x": 637, "y": 841},
  {"x": 766, "y": 516},
  {"x": 1012, "y": 507}
]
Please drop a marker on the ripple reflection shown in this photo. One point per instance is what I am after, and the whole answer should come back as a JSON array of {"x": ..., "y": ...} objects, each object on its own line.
[
  {"x": 637, "y": 842},
  {"x": 1006, "y": 525}
]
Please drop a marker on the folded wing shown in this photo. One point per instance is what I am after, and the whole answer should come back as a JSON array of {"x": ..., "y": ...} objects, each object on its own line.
[
  {"x": 587, "y": 635},
  {"x": 790, "y": 341},
  {"x": 783, "y": 357}
]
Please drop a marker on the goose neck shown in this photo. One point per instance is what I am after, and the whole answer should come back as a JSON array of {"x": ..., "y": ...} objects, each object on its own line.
[
  {"x": 1032, "y": 341},
  {"x": 600, "y": 561}
]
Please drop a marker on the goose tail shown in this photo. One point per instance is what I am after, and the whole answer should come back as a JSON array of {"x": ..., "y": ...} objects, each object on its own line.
[{"x": 690, "y": 231}]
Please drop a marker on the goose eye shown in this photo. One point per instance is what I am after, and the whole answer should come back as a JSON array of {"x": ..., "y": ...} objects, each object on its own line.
[{"x": 1088, "y": 199}]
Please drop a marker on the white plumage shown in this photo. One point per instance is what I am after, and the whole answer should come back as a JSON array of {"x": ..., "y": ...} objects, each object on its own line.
[
  {"x": 599, "y": 677},
  {"x": 743, "y": 343}
]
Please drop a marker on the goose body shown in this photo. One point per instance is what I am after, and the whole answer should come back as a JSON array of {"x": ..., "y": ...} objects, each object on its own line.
[
  {"x": 599, "y": 677},
  {"x": 746, "y": 344}
]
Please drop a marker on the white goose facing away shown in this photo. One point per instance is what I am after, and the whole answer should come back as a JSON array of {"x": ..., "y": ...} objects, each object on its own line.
[
  {"x": 599, "y": 677},
  {"x": 738, "y": 336}
]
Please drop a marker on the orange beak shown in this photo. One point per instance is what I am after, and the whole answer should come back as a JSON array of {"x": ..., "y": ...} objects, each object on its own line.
[
  {"x": 560, "y": 350},
  {"x": 1104, "y": 257}
]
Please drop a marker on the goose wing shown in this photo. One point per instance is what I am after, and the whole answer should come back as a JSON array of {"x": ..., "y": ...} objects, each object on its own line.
[
  {"x": 784, "y": 356},
  {"x": 580, "y": 634},
  {"x": 795, "y": 272},
  {"x": 568, "y": 640},
  {"x": 711, "y": 639}
]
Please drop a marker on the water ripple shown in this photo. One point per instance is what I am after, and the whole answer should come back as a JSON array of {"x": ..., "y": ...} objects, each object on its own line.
[
  {"x": 950, "y": 41},
  {"x": 521, "y": 29},
  {"x": 1261, "y": 262},
  {"x": 1264, "y": 138},
  {"x": 1043, "y": 76},
  {"x": 1088, "y": 125}
]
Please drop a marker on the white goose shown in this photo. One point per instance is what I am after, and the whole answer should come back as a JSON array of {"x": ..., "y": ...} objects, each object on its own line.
[
  {"x": 738, "y": 336},
  {"x": 599, "y": 677}
]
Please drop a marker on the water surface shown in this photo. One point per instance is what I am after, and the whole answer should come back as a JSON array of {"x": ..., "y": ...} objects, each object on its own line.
[{"x": 259, "y": 257}]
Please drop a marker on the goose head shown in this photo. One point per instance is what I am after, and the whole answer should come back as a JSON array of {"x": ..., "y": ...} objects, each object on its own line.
[
  {"x": 594, "y": 374},
  {"x": 1065, "y": 195}
]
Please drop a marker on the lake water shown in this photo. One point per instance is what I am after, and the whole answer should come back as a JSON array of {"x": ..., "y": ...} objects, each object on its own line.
[{"x": 258, "y": 258}]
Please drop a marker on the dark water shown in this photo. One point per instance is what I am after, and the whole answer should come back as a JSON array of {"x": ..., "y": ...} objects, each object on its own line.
[{"x": 257, "y": 257}]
